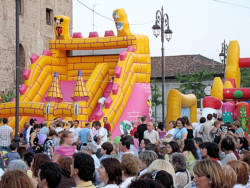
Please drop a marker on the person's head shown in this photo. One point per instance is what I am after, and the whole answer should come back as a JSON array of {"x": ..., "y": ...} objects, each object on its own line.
[
  {"x": 217, "y": 124},
  {"x": 91, "y": 148},
  {"x": 208, "y": 174},
  {"x": 172, "y": 147},
  {"x": 186, "y": 120},
  {"x": 150, "y": 126},
  {"x": 5, "y": 120},
  {"x": 241, "y": 143},
  {"x": 202, "y": 120},
  {"x": 110, "y": 171},
  {"x": 66, "y": 138},
  {"x": 152, "y": 147},
  {"x": 107, "y": 148},
  {"x": 97, "y": 125},
  {"x": 139, "y": 120},
  {"x": 130, "y": 165},
  {"x": 32, "y": 121},
  {"x": 145, "y": 183},
  {"x": 227, "y": 144},
  {"x": 209, "y": 150},
  {"x": 16, "y": 179},
  {"x": 236, "y": 124},
  {"x": 49, "y": 175},
  {"x": 160, "y": 176},
  {"x": 13, "y": 146},
  {"x": 83, "y": 167},
  {"x": 28, "y": 157},
  {"x": 197, "y": 142},
  {"x": 38, "y": 159},
  {"x": 179, "y": 161},
  {"x": 105, "y": 120},
  {"x": 65, "y": 164},
  {"x": 146, "y": 157},
  {"x": 52, "y": 133},
  {"x": 125, "y": 143},
  {"x": 87, "y": 124},
  {"x": 17, "y": 164},
  {"x": 172, "y": 124},
  {"x": 246, "y": 157},
  {"x": 26, "y": 125},
  {"x": 180, "y": 123},
  {"x": 76, "y": 123},
  {"x": 144, "y": 142},
  {"x": 209, "y": 117},
  {"x": 230, "y": 176},
  {"x": 143, "y": 119},
  {"x": 189, "y": 146},
  {"x": 160, "y": 164},
  {"x": 242, "y": 171},
  {"x": 37, "y": 127}
]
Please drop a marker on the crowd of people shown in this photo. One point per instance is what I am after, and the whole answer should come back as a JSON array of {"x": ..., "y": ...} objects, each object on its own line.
[{"x": 60, "y": 154}]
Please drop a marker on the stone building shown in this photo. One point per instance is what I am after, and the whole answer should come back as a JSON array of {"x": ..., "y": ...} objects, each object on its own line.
[
  {"x": 184, "y": 65},
  {"x": 36, "y": 29}
]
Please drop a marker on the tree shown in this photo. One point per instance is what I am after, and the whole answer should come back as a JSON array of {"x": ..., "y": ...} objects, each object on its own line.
[
  {"x": 245, "y": 77},
  {"x": 193, "y": 83},
  {"x": 155, "y": 96}
]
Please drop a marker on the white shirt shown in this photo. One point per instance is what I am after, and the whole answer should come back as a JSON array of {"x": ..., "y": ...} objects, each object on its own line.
[
  {"x": 197, "y": 130},
  {"x": 126, "y": 182},
  {"x": 153, "y": 136},
  {"x": 171, "y": 131},
  {"x": 102, "y": 132},
  {"x": 5, "y": 131},
  {"x": 75, "y": 132},
  {"x": 28, "y": 134},
  {"x": 111, "y": 186},
  {"x": 96, "y": 161}
]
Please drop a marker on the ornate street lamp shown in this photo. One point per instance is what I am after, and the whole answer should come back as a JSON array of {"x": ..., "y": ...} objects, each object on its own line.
[{"x": 161, "y": 27}]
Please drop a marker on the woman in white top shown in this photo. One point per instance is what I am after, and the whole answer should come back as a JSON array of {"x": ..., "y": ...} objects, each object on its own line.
[
  {"x": 110, "y": 172},
  {"x": 170, "y": 133}
]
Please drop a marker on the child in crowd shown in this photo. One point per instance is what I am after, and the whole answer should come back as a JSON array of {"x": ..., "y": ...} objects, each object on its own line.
[{"x": 12, "y": 155}]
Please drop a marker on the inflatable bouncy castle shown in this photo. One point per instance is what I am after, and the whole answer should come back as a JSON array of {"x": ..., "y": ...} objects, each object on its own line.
[
  {"x": 71, "y": 77},
  {"x": 236, "y": 100}
]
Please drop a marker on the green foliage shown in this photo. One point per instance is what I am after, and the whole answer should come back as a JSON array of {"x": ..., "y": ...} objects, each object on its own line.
[
  {"x": 245, "y": 77},
  {"x": 155, "y": 96},
  {"x": 193, "y": 83},
  {"x": 8, "y": 96}
]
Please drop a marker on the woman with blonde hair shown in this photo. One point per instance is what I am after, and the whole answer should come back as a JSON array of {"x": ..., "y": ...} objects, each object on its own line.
[
  {"x": 160, "y": 164},
  {"x": 208, "y": 174},
  {"x": 15, "y": 179},
  {"x": 230, "y": 176}
]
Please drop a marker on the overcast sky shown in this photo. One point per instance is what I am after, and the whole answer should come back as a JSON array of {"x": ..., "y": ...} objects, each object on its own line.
[{"x": 199, "y": 26}]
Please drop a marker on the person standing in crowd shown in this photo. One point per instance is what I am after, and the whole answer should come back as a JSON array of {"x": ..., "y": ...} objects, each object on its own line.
[
  {"x": 82, "y": 170},
  {"x": 208, "y": 174},
  {"x": 189, "y": 127},
  {"x": 239, "y": 132},
  {"x": 106, "y": 150},
  {"x": 180, "y": 132},
  {"x": 6, "y": 135},
  {"x": 198, "y": 127},
  {"x": 44, "y": 129},
  {"x": 130, "y": 169},
  {"x": 170, "y": 133},
  {"x": 101, "y": 134},
  {"x": 125, "y": 146},
  {"x": 172, "y": 147},
  {"x": 49, "y": 175},
  {"x": 107, "y": 125},
  {"x": 141, "y": 128},
  {"x": 228, "y": 146},
  {"x": 84, "y": 134},
  {"x": 144, "y": 143},
  {"x": 12, "y": 155},
  {"x": 145, "y": 159},
  {"x": 34, "y": 146},
  {"x": 101, "y": 102},
  {"x": 210, "y": 150},
  {"x": 197, "y": 143},
  {"x": 65, "y": 149},
  {"x": 206, "y": 128},
  {"x": 110, "y": 172},
  {"x": 24, "y": 131},
  {"x": 151, "y": 134},
  {"x": 215, "y": 132},
  {"x": 91, "y": 149},
  {"x": 75, "y": 130},
  {"x": 49, "y": 145},
  {"x": 29, "y": 130}
]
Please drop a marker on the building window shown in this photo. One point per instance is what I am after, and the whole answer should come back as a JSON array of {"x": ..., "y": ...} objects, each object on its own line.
[{"x": 49, "y": 16}]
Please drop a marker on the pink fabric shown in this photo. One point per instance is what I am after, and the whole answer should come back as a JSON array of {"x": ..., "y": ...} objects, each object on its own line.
[
  {"x": 22, "y": 89},
  {"x": 65, "y": 151},
  {"x": 47, "y": 53},
  {"x": 123, "y": 55},
  {"x": 131, "y": 49},
  {"x": 33, "y": 58},
  {"x": 118, "y": 71},
  {"x": 93, "y": 34},
  {"x": 26, "y": 74},
  {"x": 136, "y": 144},
  {"x": 109, "y": 33},
  {"x": 115, "y": 88},
  {"x": 77, "y": 35}
]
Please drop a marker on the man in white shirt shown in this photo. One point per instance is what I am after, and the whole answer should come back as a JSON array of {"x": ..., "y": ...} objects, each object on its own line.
[
  {"x": 102, "y": 134},
  {"x": 206, "y": 128},
  {"x": 101, "y": 102},
  {"x": 151, "y": 134},
  {"x": 75, "y": 130},
  {"x": 32, "y": 123},
  {"x": 125, "y": 146},
  {"x": 6, "y": 135}
]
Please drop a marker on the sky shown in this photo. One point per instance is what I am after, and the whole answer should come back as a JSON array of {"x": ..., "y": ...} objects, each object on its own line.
[{"x": 199, "y": 26}]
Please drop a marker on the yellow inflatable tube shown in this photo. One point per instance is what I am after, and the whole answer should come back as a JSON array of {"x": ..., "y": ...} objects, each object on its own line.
[{"x": 176, "y": 100}]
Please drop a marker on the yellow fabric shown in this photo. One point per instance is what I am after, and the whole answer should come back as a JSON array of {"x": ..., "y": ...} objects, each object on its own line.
[{"x": 85, "y": 184}]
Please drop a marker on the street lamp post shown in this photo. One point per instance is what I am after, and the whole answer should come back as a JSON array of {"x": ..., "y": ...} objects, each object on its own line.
[
  {"x": 223, "y": 55},
  {"x": 161, "y": 27}
]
